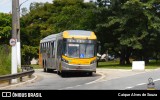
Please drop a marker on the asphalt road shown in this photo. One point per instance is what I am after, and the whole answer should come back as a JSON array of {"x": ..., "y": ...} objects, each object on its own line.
[
  {"x": 52, "y": 81},
  {"x": 134, "y": 82},
  {"x": 103, "y": 80}
]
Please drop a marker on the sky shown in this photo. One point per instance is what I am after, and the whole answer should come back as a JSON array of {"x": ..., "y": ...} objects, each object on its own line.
[{"x": 6, "y": 5}]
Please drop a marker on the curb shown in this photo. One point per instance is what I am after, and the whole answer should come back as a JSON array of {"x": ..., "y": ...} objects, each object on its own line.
[{"x": 18, "y": 84}]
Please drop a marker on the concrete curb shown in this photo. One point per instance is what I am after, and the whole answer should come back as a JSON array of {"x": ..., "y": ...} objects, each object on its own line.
[{"x": 18, "y": 84}]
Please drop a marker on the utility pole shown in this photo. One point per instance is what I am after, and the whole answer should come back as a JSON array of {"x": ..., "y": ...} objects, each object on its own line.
[
  {"x": 18, "y": 35},
  {"x": 14, "y": 40}
]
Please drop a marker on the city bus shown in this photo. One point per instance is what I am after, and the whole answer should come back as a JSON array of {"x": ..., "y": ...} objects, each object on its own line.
[{"x": 69, "y": 51}]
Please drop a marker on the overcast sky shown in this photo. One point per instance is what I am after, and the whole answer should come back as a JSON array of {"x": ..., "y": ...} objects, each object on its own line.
[{"x": 6, "y": 5}]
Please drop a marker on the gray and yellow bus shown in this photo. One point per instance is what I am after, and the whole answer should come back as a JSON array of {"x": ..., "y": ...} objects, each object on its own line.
[{"x": 71, "y": 50}]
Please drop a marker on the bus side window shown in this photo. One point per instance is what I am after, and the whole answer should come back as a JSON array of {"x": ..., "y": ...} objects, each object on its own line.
[
  {"x": 47, "y": 45},
  {"x": 49, "y": 50},
  {"x": 52, "y": 48},
  {"x": 59, "y": 53},
  {"x": 44, "y": 46}
]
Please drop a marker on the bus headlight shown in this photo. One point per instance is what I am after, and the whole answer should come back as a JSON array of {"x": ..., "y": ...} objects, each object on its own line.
[
  {"x": 66, "y": 61},
  {"x": 93, "y": 61}
]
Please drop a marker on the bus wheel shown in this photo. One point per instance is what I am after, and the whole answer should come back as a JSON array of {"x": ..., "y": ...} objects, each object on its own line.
[
  {"x": 58, "y": 72},
  {"x": 44, "y": 69},
  {"x": 63, "y": 74},
  {"x": 90, "y": 73}
]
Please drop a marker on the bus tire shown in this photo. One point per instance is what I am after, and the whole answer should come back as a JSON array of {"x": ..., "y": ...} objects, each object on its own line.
[
  {"x": 63, "y": 74},
  {"x": 90, "y": 73},
  {"x": 58, "y": 72},
  {"x": 44, "y": 69}
]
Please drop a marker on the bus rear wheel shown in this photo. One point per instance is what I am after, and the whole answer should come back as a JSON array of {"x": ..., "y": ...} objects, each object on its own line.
[
  {"x": 63, "y": 74},
  {"x": 58, "y": 72},
  {"x": 44, "y": 66},
  {"x": 90, "y": 73},
  {"x": 44, "y": 69}
]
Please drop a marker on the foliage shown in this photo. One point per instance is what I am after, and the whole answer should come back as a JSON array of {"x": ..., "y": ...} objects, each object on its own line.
[
  {"x": 5, "y": 28},
  {"x": 31, "y": 52},
  {"x": 5, "y": 60},
  {"x": 134, "y": 26}
]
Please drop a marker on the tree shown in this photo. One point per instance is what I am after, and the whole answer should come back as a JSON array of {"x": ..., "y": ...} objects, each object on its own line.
[
  {"x": 5, "y": 28},
  {"x": 133, "y": 23},
  {"x": 24, "y": 11}
]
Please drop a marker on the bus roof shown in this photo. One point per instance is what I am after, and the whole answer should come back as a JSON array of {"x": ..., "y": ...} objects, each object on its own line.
[
  {"x": 80, "y": 34},
  {"x": 51, "y": 37}
]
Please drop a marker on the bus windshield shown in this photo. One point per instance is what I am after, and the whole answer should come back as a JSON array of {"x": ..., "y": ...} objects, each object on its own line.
[{"x": 79, "y": 50}]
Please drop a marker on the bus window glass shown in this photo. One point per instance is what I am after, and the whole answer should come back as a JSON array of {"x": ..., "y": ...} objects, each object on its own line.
[
  {"x": 52, "y": 48},
  {"x": 73, "y": 50},
  {"x": 86, "y": 50},
  {"x": 45, "y": 46},
  {"x": 90, "y": 51},
  {"x": 49, "y": 44},
  {"x": 79, "y": 50},
  {"x": 65, "y": 48}
]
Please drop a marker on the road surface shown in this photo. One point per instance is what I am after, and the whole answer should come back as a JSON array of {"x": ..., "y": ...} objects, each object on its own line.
[{"x": 104, "y": 79}]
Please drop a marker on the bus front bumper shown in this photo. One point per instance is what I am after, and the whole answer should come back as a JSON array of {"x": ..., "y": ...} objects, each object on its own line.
[{"x": 87, "y": 68}]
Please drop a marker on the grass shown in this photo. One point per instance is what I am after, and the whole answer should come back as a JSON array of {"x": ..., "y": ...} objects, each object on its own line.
[
  {"x": 5, "y": 60},
  {"x": 36, "y": 66},
  {"x": 115, "y": 65}
]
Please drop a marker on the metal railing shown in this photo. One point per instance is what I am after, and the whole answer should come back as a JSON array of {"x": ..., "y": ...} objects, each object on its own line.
[{"x": 26, "y": 71}]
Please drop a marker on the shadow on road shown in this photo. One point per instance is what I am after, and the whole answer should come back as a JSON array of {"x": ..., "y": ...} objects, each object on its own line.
[{"x": 74, "y": 74}]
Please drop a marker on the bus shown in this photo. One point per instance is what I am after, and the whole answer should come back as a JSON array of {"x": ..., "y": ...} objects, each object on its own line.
[{"x": 69, "y": 51}]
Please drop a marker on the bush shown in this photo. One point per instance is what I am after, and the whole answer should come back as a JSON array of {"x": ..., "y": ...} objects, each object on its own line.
[{"x": 5, "y": 59}]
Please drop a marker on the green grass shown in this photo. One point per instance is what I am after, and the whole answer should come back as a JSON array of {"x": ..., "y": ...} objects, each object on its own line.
[
  {"x": 5, "y": 60},
  {"x": 36, "y": 66},
  {"x": 116, "y": 65}
]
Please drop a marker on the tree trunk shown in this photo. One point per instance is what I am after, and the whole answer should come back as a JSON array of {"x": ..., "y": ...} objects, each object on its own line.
[
  {"x": 122, "y": 57},
  {"x": 146, "y": 59},
  {"x": 128, "y": 53}
]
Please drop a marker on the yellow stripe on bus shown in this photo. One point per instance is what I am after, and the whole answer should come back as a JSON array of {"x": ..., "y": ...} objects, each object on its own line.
[
  {"x": 92, "y": 36},
  {"x": 79, "y": 61}
]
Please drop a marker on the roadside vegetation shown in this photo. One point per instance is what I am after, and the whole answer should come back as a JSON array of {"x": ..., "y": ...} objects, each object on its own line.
[
  {"x": 36, "y": 66},
  {"x": 115, "y": 65},
  {"x": 5, "y": 60}
]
